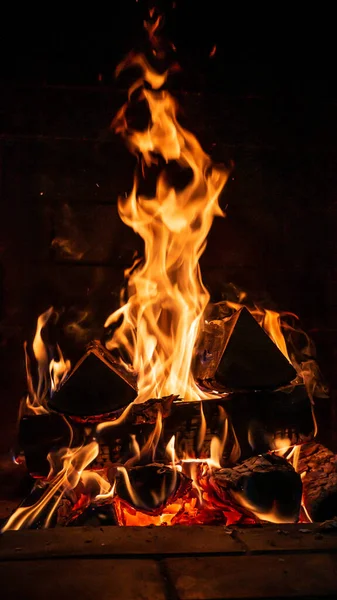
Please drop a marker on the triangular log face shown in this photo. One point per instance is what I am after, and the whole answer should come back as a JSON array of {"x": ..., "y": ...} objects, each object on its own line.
[
  {"x": 96, "y": 386},
  {"x": 250, "y": 359}
]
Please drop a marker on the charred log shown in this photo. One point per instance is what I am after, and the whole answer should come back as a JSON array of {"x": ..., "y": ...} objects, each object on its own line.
[
  {"x": 211, "y": 347},
  {"x": 140, "y": 414},
  {"x": 151, "y": 487},
  {"x": 319, "y": 482},
  {"x": 41, "y": 434},
  {"x": 257, "y": 419},
  {"x": 241, "y": 356},
  {"x": 265, "y": 484},
  {"x": 97, "y": 385}
]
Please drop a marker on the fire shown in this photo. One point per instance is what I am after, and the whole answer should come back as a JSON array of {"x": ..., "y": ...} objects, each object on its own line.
[
  {"x": 167, "y": 298},
  {"x": 161, "y": 322},
  {"x": 50, "y": 373},
  {"x": 58, "y": 370},
  {"x": 270, "y": 320},
  {"x": 283, "y": 328},
  {"x": 66, "y": 470}
]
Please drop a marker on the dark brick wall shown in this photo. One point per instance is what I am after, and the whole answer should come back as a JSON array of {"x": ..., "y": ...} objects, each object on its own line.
[{"x": 61, "y": 173}]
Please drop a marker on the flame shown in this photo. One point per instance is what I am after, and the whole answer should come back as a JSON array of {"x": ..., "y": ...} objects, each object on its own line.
[
  {"x": 213, "y": 51},
  {"x": 66, "y": 470},
  {"x": 218, "y": 443},
  {"x": 167, "y": 298},
  {"x": 272, "y": 325},
  {"x": 270, "y": 320},
  {"x": 202, "y": 429},
  {"x": 283, "y": 328},
  {"x": 271, "y": 516},
  {"x": 161, "y": 321},
  {"x": 41, "y": 354},
  {"x": 58, "y": 370},
  {"x": 170, "y": 451},
  {"x": 50, "y": 374}
]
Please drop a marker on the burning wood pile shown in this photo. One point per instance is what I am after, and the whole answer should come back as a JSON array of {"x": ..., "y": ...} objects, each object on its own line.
[{"x": 188, "y": 413}]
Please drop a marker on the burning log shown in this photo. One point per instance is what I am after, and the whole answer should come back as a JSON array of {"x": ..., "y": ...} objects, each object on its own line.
[
  {"x": 149, "y": 488},
  {"x": 240, "y": 355},
  {"x": 142, "y": 413},
  {"x": 257, "y": 419},
  {"x": 98, "y": 384},
  {"x": 267, "y": 485},
  {"x": 211, "y": 348},
  {"x": 319, "y": 482},
  {"x": 39, "y": 435},
  {"x": 149, "y": 495}
]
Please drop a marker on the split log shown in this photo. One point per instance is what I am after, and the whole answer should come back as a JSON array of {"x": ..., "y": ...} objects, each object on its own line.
[
  {"x": 138, "y": 414},
  {"x": 319, "y": 482},
  {"x": 239, "y": 354},
  {"x": 267, "y": 485},
  {"x": 97, "y": 385},
  {"x": 94, "y": 515},
  {"x": 41, "y": 434},
  {"x": 152, "y": 487},
  {"x": 210, "y": 349},
  {"x": 258, "y": 417}
]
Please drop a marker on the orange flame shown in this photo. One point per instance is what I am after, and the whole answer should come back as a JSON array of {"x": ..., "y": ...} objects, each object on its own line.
[
  {"x": 66, "y": 470},
  {"x": 167, "y": 298},
  {"x": 213, "y": 51},
  {"x": 50, "y": 374},
  {"x": 41, "y": 354},
  {"x": 58, "y": 370}
]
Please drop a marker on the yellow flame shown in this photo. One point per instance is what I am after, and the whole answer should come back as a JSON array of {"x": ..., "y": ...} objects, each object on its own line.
[
  {"x": 67, "y": 466},
  {"x": 41, "y": 354},
  {"x": 271, "y": 516},
  {"x": 58, "y": 370},
  {"x": 272, "y": 325},
  {"x": 218, "y": 443},
  {"x": 170, "y": 451},
  {"x": 167, "y": 298},
  {"x": 136, "y": 501},
  {"x": 202, "y": 429},
  {"x": 36, "y": 399}
]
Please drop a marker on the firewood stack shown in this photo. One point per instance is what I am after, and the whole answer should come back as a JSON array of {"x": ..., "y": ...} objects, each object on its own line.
[{"x": 255, "y": 392}]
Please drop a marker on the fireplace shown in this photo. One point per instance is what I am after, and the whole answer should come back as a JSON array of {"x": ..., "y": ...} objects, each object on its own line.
[{"x": 241, "y": 438}]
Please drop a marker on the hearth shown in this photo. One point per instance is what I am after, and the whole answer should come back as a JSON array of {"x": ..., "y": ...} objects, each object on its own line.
[
  {"x": 185, "y": 412},
  {"x": 208, "y": 563}
]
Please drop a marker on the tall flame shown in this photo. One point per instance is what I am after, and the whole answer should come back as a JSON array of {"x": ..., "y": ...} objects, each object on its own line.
[
  {"x": 51, "y": 374},
  {"x": 167, "y": 297}
]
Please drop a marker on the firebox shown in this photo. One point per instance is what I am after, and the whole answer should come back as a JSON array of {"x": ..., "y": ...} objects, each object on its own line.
[{"x": 192, "y": 410}]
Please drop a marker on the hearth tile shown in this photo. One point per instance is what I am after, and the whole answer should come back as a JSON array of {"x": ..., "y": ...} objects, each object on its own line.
[
  {"x": 254, "y": 577},
  {"x": 84, "y": 579},
  {"x": 117, "y": 542}
]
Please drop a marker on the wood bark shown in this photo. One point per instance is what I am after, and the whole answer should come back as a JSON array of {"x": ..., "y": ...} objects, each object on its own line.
[
  {"x": 320, "y": 481},
  {"x": 266, "y": 484}
]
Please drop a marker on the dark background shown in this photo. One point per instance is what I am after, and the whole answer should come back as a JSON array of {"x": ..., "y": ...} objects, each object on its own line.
[{"x": 266, "y": 101}]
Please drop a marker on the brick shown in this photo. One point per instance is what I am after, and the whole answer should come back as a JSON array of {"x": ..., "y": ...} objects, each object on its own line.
[
  {"x": 254, "y": 577},
  {"x": 72, "y": 112},
  {"x": 117, "y": 542},
  {"x": 92, "y": 234},
  {"x": 76, "y": 171},
  {"x": 288, "y": 538},
  {"x": 85, "y": 579}
]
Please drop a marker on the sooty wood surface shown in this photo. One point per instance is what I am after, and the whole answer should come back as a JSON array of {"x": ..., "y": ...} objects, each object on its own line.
[{"x": 198, "y": 563}]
